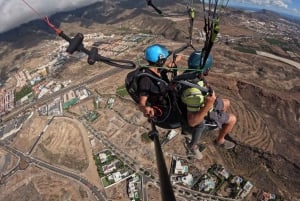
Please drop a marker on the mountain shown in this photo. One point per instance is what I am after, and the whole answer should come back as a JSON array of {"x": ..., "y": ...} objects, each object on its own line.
[
  {"x": 264, "y": 13},
  {"x": 106, "y": 12}
]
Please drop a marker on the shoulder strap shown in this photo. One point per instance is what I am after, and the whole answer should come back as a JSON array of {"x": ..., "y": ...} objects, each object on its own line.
[{"x": 194, "y": 85}]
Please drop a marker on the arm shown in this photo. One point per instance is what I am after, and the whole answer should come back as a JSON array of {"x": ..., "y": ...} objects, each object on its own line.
[
  {"x": 147, "y": 110},
  {"x": 195, "y": 118},
  {"x": 171, "y": 64}
]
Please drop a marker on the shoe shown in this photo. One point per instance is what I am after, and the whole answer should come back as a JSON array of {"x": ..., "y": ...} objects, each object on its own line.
[
  {"x": 186, "y": 132},
  {"x": 226, "y": 145},
  {"x": 188, "y": 138},
  {"x": 196, "y": 153},
  {"x": 193, "y": 152}
]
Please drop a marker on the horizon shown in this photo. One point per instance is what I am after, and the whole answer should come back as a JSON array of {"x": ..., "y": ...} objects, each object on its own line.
[
  {"x": 11, "y": 19},
  {"x": 286, "y": 7}
]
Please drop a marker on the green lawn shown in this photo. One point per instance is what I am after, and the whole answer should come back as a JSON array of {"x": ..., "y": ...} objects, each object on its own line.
[
  {"x": 24, "y": 91},
  {"x": 105, "y": 182}
]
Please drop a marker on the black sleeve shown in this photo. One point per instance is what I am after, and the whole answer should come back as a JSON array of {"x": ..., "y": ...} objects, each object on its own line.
[{"x": 144, "y": 86}]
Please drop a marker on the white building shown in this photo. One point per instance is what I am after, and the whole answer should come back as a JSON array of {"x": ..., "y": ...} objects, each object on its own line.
[{"x": 180, "y": 169}]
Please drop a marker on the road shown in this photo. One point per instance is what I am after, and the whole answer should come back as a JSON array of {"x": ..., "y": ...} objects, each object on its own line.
[
  {"x": 183, "y": 192},
  {"x": 272, "y": 56},
  {"x": 55, "y": 169},
  {"x": 123, "y": 156},
  {"x": 44, "y": 99},
  {"x": 40, "y": 135},
  {"x": 179, "y": 191}
]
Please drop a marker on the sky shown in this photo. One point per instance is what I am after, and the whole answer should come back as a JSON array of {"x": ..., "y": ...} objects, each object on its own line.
[
  {"x": 15, "y": 12},
  {"x": 291, "y": 7}
]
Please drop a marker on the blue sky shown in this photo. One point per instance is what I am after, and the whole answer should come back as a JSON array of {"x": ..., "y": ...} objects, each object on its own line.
[{"x": 291, "y": 7}]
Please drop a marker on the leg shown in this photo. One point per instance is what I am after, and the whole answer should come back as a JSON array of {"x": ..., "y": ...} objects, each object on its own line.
[
  {"x": 196, "y": 134},
  {"x": 193, "y": 145},
  {"x": 226, "y": 128},
  {"x": 225, "y": 121},
  {"x": 226, "y": 103}
]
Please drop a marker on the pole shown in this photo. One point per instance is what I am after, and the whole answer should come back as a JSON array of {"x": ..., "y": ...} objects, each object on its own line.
[{"x": 167, "y": 193}]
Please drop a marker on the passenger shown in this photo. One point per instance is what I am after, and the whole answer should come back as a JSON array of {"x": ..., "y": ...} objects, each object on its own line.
[{"x": 202, "y": 106}]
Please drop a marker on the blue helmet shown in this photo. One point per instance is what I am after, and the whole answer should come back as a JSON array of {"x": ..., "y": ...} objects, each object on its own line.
[
  {"x": 194, "y": 61},
  {"x": 157, "y": 54}
]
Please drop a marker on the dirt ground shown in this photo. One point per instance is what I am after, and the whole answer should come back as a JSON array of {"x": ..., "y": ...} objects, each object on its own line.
[
  {"x": 29, "y": 133},
  {"x": 62, "y": 145},
  {"x": 37, "y": 184},
  {"x": 117, "y": 192},
  {"x": 7, "y": 161}
]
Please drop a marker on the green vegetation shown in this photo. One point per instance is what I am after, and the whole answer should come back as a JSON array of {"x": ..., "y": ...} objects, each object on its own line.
[
  {"x": 24, "y": 91},
  {"x": 121, "y": 91},
  {"x": 70, "y": 103},
  {"x": 91, "y": 116},
  {"x": 145, "y": 138},
  {"x": 273, "y": 41},
  {"x": 106, "y": 182},
  {"x": 265, "y": 48},
  {"x": 99, "y": 166},
  {"x": 245, "y": 50},
  {"x": 286, "y": 46},
  {"x": 120, "y": 165}
]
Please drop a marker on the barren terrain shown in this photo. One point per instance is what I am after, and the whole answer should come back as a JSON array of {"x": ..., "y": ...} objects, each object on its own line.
[
  {"x": 36, "y": 184},
  {"x": 62, "y": 145},
  {"x": 7, "y": 161},
  {"x": 29, "y": 133}
]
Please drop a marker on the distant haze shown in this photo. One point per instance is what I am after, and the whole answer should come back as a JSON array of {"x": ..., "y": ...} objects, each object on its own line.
[
  {"x": 291, "y": 7},
  {"x": 16, "y": 12}
]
